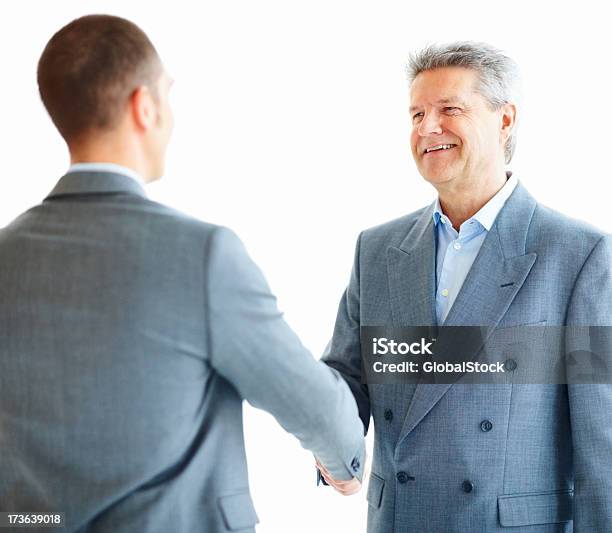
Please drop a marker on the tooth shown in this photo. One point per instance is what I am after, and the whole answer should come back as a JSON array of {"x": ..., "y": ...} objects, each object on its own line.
[{"x": 439, "y": 147}]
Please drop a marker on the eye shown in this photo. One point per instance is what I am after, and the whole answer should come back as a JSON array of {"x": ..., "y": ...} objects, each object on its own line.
[
  {"x": 452, "y": 110},
  {"x": 417, "y": 116}
]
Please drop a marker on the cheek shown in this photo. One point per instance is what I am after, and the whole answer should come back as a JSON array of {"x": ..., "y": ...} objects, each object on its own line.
[
  {"x": 454, "y": 126},
  {"x": 414, "y": 140},
  {"x": 486, "y": 134}
]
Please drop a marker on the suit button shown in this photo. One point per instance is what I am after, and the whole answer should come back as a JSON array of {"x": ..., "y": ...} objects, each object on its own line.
[
  {"x": 486, "y": 425},
  {"x": 388, "y": 415},
  {"x": 402, "y": 477},
  {"x": 510, "y": 365},
  {"x": 355, "y": 464},
  {"x": 467, "y": 486}
]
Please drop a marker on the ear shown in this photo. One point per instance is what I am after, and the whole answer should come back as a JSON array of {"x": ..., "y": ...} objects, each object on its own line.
[
  {"x": 143, "y": 108},
  {"x": 508, "y": 121}
]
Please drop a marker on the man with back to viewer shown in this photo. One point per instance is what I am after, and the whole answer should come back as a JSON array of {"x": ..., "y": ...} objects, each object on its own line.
[
  {"x": 460, "y": 458},
  {"x": 130, "y": 333}
]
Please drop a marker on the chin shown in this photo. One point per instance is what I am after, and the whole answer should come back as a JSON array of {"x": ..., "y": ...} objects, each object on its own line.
[{"x": 436, "y": 177}]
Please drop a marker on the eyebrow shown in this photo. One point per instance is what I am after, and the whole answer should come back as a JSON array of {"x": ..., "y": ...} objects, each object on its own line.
[{"x": 452, "y": 100}]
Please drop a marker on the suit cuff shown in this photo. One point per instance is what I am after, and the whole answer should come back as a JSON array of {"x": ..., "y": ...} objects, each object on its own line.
[{"x": 353, "y": 467}]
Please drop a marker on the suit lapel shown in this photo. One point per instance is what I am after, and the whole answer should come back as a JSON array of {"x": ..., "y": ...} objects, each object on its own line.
[
  {"x": 490, "y": 286},
  {"x": 411, "y": 274},
  {"x": 499, "y": 271}
]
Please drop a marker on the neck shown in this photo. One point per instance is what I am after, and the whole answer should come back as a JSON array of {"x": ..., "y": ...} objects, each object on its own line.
[
  {"x": 115, "y": 150},
  {"x": 463, "y": 200}
]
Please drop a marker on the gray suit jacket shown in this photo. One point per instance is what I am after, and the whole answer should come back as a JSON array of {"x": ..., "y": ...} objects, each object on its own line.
[
  {"x": 482, "y": 458},
  {"x": 129, "y": 335}
]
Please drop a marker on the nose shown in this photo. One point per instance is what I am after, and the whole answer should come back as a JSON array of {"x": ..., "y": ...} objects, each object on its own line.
[{"x": 430, "y": 124}]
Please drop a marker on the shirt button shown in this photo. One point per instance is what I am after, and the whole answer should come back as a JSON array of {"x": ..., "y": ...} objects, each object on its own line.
[
  {"x": 444, "y": 292},
  {"x": 467, "y": 486},
  {"x": 443, "y": 220},
  {"x": 388, "y": 415},
  {"x": 456, "y": 245},
  {"x": 486, "y": 425}
]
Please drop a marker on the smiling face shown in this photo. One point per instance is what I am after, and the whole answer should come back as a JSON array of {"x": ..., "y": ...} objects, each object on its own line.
[{"x": 456, "y": 136}]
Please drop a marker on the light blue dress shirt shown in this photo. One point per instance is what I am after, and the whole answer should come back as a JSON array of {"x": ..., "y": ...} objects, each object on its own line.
[
  {"x": 106, "y": 167},
  {"x": 456, "y": 251}
]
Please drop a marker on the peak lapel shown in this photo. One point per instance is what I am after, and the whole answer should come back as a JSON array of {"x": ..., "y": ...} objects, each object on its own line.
[{"x": 411, "y": 274}]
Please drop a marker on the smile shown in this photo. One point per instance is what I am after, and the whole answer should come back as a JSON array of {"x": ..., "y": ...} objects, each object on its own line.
[{"x": 439, "y": 148}]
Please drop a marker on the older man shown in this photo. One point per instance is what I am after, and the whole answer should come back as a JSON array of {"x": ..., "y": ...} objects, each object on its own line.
[{"x": 478, "y": 458}]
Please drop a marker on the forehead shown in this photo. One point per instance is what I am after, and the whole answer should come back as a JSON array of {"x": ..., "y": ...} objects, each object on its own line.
[{"x": 444, "y": 84}]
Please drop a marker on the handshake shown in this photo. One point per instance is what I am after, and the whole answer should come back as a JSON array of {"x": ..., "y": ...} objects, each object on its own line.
[{"x": 346, "y": 488}]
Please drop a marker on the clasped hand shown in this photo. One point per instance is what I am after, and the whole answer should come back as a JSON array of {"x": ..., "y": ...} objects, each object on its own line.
[{"x": 346, "y": 488}]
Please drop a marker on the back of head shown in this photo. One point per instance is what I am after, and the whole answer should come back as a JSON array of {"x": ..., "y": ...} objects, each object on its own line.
[{"x": 88, "y": 71}]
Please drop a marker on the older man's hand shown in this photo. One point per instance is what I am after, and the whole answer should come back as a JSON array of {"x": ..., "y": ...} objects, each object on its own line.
[{"x": 346, "y": 488}]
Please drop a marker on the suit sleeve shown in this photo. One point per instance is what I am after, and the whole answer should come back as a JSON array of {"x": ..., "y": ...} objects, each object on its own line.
[
  {"x": 591, "y": 405},
  {"x": 343, "y": 352},
  {"x": 252, "y": 346}
]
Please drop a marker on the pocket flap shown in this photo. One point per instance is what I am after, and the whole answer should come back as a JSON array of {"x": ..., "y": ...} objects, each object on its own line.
[
  {"x": 536, "y": 508},
  {"x": 238, "y": 511},
  {"x": 375, "y": 490}
]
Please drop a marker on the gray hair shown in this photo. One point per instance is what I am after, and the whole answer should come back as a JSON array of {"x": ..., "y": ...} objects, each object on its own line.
[{"x": 499, "y": 74}]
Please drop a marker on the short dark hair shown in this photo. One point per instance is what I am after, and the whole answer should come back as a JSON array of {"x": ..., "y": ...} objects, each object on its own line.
[{"x": 90, "y": 68}]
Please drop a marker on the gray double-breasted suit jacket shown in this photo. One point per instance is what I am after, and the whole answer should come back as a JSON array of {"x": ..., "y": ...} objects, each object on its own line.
[
  {"x": 129, "y": 336},
  {"x": 484, "y": 458}
]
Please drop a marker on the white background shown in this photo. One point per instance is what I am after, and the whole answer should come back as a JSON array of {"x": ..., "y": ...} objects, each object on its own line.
[{"x": 292, "y": 128}]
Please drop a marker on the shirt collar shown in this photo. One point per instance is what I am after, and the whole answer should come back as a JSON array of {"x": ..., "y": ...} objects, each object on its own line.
[
  {"x": 488, "y": 212},
  {"x": 106, "y": 167}
]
